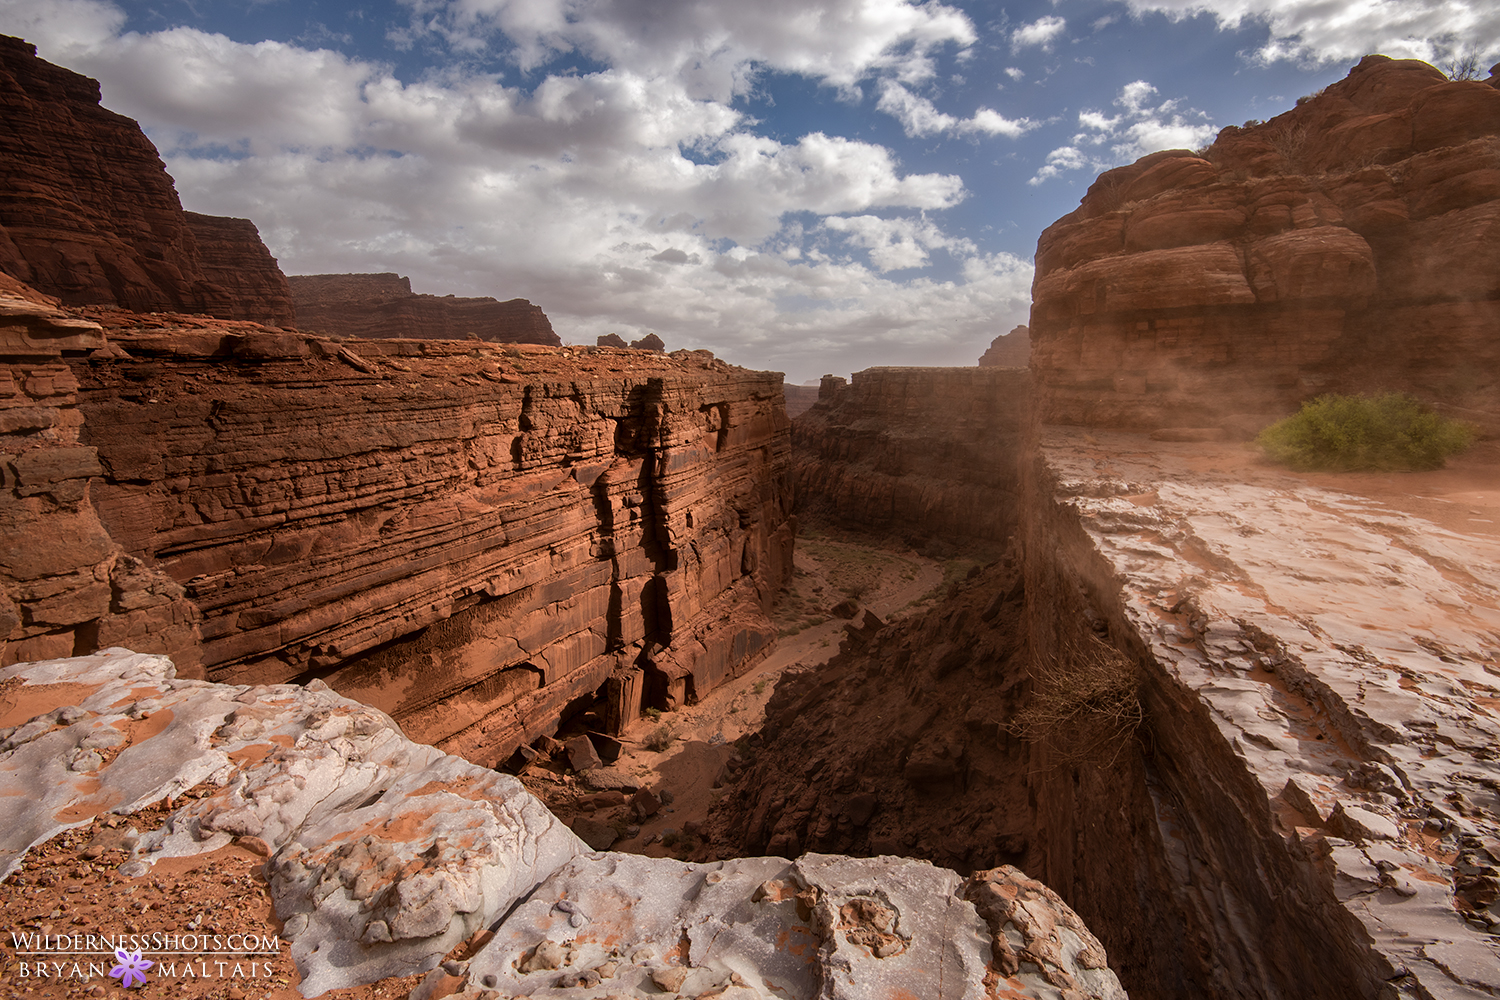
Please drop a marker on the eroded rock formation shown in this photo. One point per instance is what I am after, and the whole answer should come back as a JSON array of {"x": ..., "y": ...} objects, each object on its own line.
[
  {"x": 89, "y": 214},
  {"x": 1340, "y": 246},
  {"x": 1009, "y": 350},
  {"x": 926, "y": 455},
  {"x": 383, "y": 305},
  {"x": 384, "y": 856}
]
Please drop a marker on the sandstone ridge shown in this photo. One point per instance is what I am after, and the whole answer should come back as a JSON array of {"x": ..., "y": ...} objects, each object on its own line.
[
  {"x": 89, "y": 214},
  {"x": 383, "y": 305},
  {"x": 1337, "y": 247}
]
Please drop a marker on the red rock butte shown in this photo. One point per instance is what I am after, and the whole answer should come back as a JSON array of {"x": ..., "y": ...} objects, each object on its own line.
[
  {"x": 89, "y": 214},
  {"x": 1345, "y": 245}
]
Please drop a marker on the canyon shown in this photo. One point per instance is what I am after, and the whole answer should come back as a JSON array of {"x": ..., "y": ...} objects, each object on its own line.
[{"x": 1177, "y": 716}]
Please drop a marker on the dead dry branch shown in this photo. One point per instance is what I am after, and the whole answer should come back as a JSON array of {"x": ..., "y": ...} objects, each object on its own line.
[{"x": 1084, "y": 706}]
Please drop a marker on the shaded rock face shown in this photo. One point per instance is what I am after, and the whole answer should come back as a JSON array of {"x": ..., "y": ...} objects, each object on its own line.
[
  {"x": 1009, "y": 350},
  {"x": 234, "y": 258},
  {"x": 468, "y": 539},
  {"x": 1337, "y": 247},
  {"x": 899, "y": 745},
  {"x": 799, "y": 398},
  {"x": 384, "y": 855},
  {"x": 926, "y": 455},
  {"x": 383, "y": 305},
  {"x": 89, "y": 214}
]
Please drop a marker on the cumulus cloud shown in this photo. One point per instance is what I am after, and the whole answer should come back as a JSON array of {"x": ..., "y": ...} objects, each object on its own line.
[
  {"x": 1314, "y": 31},
  {"x": 919, "y": 116},
  {"x": 714, "y": 46},
  {"x": 633, "y": 197},
  {"x": 895, "y": 244},
  {"x": 1039, "y": 33},
  {"x": 1140, "y": 127}
]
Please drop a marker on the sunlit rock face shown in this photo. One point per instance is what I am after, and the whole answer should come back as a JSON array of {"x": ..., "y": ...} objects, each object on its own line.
[
  {"x": 383, "y": 305},
  {"x": 468, "y": 538},
  {"x": 1340, "y": 246},
  {"x": 89, "y": 214}
]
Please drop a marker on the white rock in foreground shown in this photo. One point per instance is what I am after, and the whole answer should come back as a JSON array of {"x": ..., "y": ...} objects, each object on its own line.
[{"x": 386, "y": 854}]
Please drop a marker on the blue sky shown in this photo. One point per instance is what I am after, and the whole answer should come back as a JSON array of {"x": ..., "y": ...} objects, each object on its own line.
[{"x": 804, "y": 185}]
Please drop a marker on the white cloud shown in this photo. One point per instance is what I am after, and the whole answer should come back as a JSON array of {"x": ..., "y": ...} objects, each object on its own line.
[
  {"x": 1039, "y": 33},
  {"x": 919, "y": 116},
  {"x": 899, "y": 243},
  {"x": 1014, "y": 73},
  {"x": 1141, "y": 127},
  {"x": 630, "y": 198},
  {"x": 714, "y": 46},
  {"x": 1316, "y": 31}
]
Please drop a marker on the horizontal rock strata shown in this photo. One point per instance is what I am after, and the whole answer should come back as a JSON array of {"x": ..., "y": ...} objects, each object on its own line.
[
  {"x": 384, "y": 856},
  {"x": 1337, "y": 247},
  {"x": 383, "y": 305},
  {"x": 89, "y": 214},
  {"x": 925, "y": 455},
  {"x": 467, "y": 539},
  {"x": 65, "y": 584}
]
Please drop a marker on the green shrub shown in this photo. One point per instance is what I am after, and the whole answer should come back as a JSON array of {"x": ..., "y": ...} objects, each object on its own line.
[
  {"x": 660, "y": 738},
  {"x": 1357, "y": 433}
]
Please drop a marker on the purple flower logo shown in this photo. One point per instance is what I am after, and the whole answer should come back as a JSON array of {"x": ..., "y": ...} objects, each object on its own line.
[{"x": 132, "y": 968}]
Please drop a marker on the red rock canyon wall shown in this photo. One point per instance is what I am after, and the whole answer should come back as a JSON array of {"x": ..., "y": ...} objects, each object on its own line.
[{"x": 926, "y": 455}]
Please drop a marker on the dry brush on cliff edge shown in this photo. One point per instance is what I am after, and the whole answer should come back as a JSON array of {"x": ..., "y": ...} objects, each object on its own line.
[{"x": 1084, "y": 707}]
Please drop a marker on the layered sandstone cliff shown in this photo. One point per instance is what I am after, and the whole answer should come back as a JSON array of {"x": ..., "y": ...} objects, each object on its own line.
[
  {"x": 469, "y": 539},
  {"x": 89, "y": 214},
  {"x": 383, "y": 305},
  {"x": 926, "y": 455},
  {"x": 65, "y": 584},
  {"x": 1340, "y": 246}
]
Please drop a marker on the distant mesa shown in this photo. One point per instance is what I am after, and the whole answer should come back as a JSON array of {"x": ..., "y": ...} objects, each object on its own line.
[
  {"x": 88, "y": 213},
  {"x": 383, "y": 305},
  {"x": 1009, "y": 350},
  {"x": 612, "y": 340},
  {"x": 1344, "y": 246}
]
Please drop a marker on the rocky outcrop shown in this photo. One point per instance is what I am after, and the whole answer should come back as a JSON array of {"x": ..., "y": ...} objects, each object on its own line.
[
  {"x": 468, "y": 538},
  {"x": 899, "y": 745},
  {"x": 234, "y": 258},
  {"x": 1307, "y": 806},
  {"x": 383, "y": 305},
  {"x": 65, "y": 584},
  {"x": 926, "y": 455},
  {"x": 1337, "y": 247},
  {"x": 89, "y": 214},
  {"x": 385, "y": 856},
  {"x": 1009, "y": 350}
]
